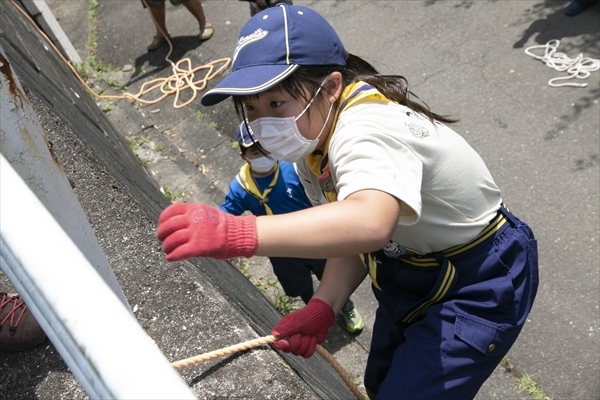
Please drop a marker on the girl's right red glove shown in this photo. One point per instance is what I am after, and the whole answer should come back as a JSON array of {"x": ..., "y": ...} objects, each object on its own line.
[
  {"x": 300, "y": 331},
  {"x": 199, "y": 230}
]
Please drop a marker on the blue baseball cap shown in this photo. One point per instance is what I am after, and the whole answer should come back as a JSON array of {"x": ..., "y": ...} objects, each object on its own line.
[
  {"x": 272, "y": 45},
  {"x": 245, "y": 138}
]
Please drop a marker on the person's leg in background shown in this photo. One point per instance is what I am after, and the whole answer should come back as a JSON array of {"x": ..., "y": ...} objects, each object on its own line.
[
  {"x": 294, "y": 277},
  {"x": 257, "y": 6},
  {"x": 195, "y": 8},
  {"x": 157, "y": 10},
  {"x": 157, "y": 14}
]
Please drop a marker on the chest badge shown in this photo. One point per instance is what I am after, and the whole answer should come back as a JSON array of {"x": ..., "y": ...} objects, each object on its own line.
[{"x": 326, "y": 182}]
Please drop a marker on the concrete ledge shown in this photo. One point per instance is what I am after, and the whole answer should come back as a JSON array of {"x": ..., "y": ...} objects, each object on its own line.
[{"x": 39, "y": 11}]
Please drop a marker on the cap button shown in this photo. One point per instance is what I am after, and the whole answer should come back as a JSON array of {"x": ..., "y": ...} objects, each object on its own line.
[{"x": 491, "y": 348}]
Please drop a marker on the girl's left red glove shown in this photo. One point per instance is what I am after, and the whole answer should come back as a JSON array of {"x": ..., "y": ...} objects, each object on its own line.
[{"x": 198, "y": 230}]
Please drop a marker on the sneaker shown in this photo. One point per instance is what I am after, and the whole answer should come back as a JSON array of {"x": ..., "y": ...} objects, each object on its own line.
[
  {"x": 19, "y": 330},
  {"x": 354, "y": 321},
  {"x": 156, "y": 42}
]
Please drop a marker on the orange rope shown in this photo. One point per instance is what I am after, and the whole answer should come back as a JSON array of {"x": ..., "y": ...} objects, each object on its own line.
[
  {"x": 182, "y": 78},
  {"x": 333, "y": 362},
  {"x": 265, "y": 340},
  {"x": 224, "y": 351}
]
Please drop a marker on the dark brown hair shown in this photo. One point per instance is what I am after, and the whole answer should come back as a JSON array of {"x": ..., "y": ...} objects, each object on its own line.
[{"x": 393, "y": 87}]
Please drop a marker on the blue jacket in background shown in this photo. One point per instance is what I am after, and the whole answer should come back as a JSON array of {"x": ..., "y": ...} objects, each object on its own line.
[{"x": 287, "y": 195}]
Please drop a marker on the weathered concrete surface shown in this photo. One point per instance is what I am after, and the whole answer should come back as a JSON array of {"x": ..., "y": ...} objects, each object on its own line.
[
  {"x": 187, "y": 308},
  {"x": 464, "y": 58}
]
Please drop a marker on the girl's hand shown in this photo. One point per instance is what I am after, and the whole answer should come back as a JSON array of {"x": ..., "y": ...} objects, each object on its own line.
[
  {"x": 300, "y": 331},
  {"x": 198, "y": 230}
]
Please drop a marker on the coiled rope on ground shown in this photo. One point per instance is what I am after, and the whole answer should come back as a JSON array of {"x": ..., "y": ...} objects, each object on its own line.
[
  {"x": 579, "y": 67},
  {"x": 181, "y": 79}
]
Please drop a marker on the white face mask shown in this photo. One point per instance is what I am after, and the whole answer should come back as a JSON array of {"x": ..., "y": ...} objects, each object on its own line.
[
  {"x": 281, "y": 137},
  {"x": 262, "y": 164}
]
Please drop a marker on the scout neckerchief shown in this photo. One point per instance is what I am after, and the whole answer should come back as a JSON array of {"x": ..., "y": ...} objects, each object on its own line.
[
  {"x": 247, "y": 182},
  {"x": 319, "y": 164}
]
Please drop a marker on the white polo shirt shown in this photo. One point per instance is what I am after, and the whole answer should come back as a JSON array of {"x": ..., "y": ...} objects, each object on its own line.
[{"x": 447, "y": 193}]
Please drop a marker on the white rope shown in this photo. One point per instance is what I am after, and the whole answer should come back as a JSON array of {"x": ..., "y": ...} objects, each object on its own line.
[{"x": 579, "y": 67}]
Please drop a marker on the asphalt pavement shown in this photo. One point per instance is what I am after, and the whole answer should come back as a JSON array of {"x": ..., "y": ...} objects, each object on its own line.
[{"x": 463, "y": 58}]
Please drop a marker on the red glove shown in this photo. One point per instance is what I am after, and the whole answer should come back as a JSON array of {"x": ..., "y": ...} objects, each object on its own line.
[
  {"x": 198, "y": 230},
  {"x": 304, "y": 329}
]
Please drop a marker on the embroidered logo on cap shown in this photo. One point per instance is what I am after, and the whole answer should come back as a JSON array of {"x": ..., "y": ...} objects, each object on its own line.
[{"x": 246, "y": 40}]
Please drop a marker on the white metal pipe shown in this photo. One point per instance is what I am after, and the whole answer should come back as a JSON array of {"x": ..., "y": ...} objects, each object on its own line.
[{"x": 107, "y": 350}]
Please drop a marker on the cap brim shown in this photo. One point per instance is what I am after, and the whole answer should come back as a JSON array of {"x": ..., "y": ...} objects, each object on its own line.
[{"x": 248, "y": 81}]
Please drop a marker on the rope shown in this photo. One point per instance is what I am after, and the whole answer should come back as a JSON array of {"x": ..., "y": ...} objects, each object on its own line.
[
  {"x": 265, "y": 340},
  {"x": 182, "y": 78},
  {"x": 579, "y": 67},
  {"x": 222, "y": 352},
  {"x": 332, "y": 361}
]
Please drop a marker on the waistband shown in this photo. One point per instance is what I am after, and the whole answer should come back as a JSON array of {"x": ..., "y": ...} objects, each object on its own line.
[
  {"x": 496, "y": 225},
  {"x": 448, "y": 275}
]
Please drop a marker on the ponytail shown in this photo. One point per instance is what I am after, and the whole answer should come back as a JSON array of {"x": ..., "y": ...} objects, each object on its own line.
[{"x": 393, "y": 87}]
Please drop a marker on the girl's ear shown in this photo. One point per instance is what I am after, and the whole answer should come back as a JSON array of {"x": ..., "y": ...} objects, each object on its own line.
[{"x": 333, "y": 87}]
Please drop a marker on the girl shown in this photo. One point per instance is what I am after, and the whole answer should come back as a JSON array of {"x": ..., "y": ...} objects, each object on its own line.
[{"x": 408, "y": 202}]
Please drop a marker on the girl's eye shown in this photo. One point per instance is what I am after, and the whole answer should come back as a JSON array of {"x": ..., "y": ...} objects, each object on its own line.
[
  {"x": 275, "y": 104},
  {"x": 248, "y": 108}
]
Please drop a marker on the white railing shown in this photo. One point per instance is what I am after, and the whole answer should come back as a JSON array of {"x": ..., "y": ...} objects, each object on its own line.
[
  {"x": 23, "y": 143},
  {"x": 111, "y": 356},
  {"x": 62, "y": 273}
]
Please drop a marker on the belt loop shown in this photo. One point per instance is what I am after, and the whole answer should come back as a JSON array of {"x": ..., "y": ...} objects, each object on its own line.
[
  {"x": 445, "y": 283},
  {"x": 514, "y": 221}
]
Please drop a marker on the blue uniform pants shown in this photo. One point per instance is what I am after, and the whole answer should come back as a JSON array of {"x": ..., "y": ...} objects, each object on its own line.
[
  {"x": 294, "y": 274},
  {"x": 451, "y": 347}
]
